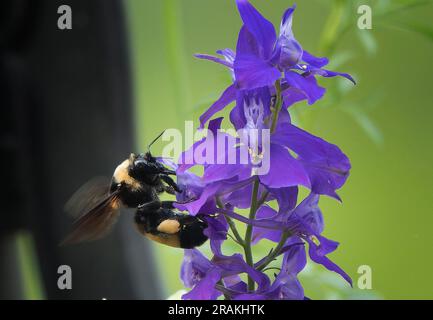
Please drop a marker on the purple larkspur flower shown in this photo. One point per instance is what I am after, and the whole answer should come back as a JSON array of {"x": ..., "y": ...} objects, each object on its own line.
[
  {"x": 199, "y": 273},
  {"x": 286, "y": 285},
  {"x": 270, "y": 72},
  {"x": 262, "y": 58},
  {"x": 306, "y": 222},
  {"x": 202, "y": 274}
]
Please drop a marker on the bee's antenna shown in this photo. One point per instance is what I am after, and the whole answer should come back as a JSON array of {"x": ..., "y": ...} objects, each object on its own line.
[{"x": 156, "y": 139}]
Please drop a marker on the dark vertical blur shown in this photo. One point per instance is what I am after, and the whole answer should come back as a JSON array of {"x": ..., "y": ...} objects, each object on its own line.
[{"x": 66, "y": 112}]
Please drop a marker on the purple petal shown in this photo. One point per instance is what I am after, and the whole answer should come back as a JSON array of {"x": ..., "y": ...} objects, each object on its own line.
[
  {"x": 247, "y": 44},
  {"x": 291, "y": 96},
  {"x": 286, "y": 197},
  {"x": 217, "y": 228},
  {"x": 262, "y": 223},
  {"x": 232, "y": 281},
  {"x": 311, "y": 214},
  {"x": 205, "y": 204},
  {"x": 294, "y": 260},
  {"x": 214, "y": 59},
  {"x": 329, "y": 74},
  {"x": 228, "y": 54},
  {"x": 252, "y": 72},
  {"x": 284, "y": 170},
  {"x": 215, "y": 125},
  {"x": 191, "y": 185},
  {"x": 205, "y": 289},
  {"x": 216, "y": 232},
  {"x": 287, "y": 287},
  {"x": 235, "y": 264},
  {"x": 242, "y": 198},
  {"x": 237, "y": 117},
  {"x": 306, "y": 85},
  {"x": 262, "y": 29},
  {"x": 227, "y": 170},
  {"x": 266, "y": 213},
  {"x": 327, "y": 166},
  {"x": 196, "y": 206},
  {"x": 314, "y": 61},
  {"x": 228, "y": 96},
  {"x": 194, "y": 266},
  {"x": 288, "y": 51},
  {"x": 317, "y": 255},
  {"x": 325, "y": 73}
]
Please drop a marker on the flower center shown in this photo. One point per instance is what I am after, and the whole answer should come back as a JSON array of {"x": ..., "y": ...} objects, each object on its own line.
[
  {"x": 196, "y": 276},
  {"x": 256, "y": 158}
]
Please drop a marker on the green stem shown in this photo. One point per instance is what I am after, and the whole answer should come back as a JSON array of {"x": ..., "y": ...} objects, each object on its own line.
[
  {"x": 232, "y": 224},
  {"x": 256, "y": 203},
  {"x": 262, "y": 199},
  {"x": 235, "y": 231},
  {"x": 220, "y": 286},
  {"x": 277, "y": 107},
  {"x": 249, "y": 233},
  {"x": 274, "y": 252}
]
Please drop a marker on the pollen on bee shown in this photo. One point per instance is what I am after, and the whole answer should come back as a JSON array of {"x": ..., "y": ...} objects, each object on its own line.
[{"x": 169, "y": 226}]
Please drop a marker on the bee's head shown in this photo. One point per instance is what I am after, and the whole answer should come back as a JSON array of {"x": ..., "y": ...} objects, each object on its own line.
[
  {"x": 148, "y": 157},
  {"x": 142, "y": 160},
  {"x": 144, "y": 167}
]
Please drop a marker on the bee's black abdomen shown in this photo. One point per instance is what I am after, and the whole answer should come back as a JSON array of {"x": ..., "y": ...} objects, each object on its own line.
[{"x": 192, "y": 232}]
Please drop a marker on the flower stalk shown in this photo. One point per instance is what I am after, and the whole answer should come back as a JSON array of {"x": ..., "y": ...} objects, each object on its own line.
[
  {"x": 275, "y": 252},
  {"x": 277, "y": 107},
  {"x": 249, "y": 232}
]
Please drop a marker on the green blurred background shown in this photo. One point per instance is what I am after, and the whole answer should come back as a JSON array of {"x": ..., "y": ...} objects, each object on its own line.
[{"x": 383, "y": 124}]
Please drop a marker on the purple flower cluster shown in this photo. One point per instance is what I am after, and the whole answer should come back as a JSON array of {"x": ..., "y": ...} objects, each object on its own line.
[{"x": 270, "y": 73}]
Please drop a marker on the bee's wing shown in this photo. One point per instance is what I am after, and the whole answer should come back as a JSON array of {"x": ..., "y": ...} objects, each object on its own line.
[
  {"x": 88, "y": 196},
  {"x": 96, "y": 222}
]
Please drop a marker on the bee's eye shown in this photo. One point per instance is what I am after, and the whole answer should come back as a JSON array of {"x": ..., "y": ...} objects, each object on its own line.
[{"x": 140, "y": 162}]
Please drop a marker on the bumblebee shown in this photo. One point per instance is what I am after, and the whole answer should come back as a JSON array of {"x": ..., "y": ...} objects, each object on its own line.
[
  {"x": 159, "y": 222},
  {"x": 136, "y": 183}
]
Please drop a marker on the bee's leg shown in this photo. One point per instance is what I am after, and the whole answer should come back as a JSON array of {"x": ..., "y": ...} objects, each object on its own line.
[
  {"x": 155, "y": 205},
  {"x": 146, "y": 216},
  {"x": 170, "y": 182},
  {"x": 167, "y": 204},
  {"x": 150, "y": 206},
  {"x": 169, "y": 172},
  {"x": 169, "y": 190}
]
